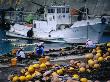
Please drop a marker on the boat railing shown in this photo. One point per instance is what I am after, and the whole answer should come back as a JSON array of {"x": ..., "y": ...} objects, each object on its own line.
[{"x": 20, "y": 16}]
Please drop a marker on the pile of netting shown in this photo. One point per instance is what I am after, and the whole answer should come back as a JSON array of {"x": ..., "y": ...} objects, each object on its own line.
[{"x": 95, "y": 66}]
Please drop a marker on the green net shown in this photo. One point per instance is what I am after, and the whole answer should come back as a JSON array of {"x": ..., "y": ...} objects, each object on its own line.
[{"x": 29, "y": 18}]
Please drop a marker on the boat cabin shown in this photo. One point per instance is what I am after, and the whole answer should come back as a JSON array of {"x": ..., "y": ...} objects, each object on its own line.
[
  {"x": 54, "y": 17},
  {"x": 58, "y": 14}
]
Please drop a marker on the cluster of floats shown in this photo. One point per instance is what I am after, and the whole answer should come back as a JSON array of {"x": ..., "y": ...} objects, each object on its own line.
[
  {"x": 52, "y": 52},
  {"x": 93, "y": 67}
]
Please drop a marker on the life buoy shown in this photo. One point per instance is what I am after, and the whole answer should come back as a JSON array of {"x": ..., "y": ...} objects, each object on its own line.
[
  {"x": 103, "y": 20},
  {"x": 73, "y": 11}
]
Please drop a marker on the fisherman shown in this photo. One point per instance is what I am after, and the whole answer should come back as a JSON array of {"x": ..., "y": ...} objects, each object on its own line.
[
  {"x": 20, "y": 55},
  {"x": 40, "y": 50},
  {"x": 30, "y": 33},
  {"x": 42, "y": 44},
  {"x": 90, "y": 45}
]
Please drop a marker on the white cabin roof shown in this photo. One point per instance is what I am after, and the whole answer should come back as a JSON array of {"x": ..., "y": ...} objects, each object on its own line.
[
  {"x": 85, "y": 22},
  {"x": 60, "y": 6}
]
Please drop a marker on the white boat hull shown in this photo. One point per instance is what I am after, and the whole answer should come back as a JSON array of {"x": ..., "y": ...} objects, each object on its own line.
[{"x": 75, "y": 34}]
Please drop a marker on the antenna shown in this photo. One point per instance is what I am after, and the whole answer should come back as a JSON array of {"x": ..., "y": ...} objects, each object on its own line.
[
  {"x": 86, "y": 10},
  {"x": 54, "y": 2},
  {"x": 64, "y": 2},
  {"x": 86, "y": 13}
]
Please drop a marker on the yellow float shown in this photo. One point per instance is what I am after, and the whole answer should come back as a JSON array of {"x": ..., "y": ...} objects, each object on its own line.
[
  {"x": 43, "y": 66},
  {"x": 108, "y": 44},
  {"x": 96, "y": 66},
  {"x": 36, "y": 65},
  {"x": 83, "y": 80},
  {"x": 90, "y": 62},
  {"x": 75, "y": 76},
  {"x": 28, "y": 77},
  {"x": 100, "y": 59},
  {"x": 98, "y": 54},
  {"x": 60, "y": 71},
  {"x": 15, "y": 79},
  {"x": 22, "y": 78},
  {"x": 82, "y": 69},
  {"x": 31, "y": 69}
]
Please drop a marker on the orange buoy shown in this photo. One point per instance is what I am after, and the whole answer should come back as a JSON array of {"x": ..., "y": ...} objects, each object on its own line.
[{"x": 13, "y": 62}]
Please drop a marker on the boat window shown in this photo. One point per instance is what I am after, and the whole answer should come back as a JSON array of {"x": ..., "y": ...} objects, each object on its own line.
[
  {"x": 58, "y": 10},
  {"x": 63, "y": 10},
  {"x": 51, "y": 10},
  {"x": 34, "y": 25},
  {"x": 53, "y": 17},
  {"x": 67, "y": 10}
]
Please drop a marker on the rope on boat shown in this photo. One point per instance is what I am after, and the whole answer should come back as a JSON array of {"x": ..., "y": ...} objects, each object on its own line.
[{"x": 23, "y": 45}]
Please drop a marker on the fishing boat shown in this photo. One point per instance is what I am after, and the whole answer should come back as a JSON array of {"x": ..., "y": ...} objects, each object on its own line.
[{"x": 58, "y": 27}]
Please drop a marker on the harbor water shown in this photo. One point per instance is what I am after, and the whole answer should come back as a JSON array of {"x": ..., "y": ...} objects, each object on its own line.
[{"x": 8, "y": 43}]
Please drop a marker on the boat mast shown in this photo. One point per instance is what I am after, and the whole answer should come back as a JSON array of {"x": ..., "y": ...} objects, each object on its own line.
[
  {"x": 86, "y": 10},
  {"x": 86, "y": 13}
]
